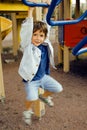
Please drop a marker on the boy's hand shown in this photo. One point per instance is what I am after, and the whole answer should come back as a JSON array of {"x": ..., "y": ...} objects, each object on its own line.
[
  {"x": 45, "y": 10},
  {"x": 32, "y": 8},
  {"x": 34, "y": 1},
  {"x": 30, "y": 11},
  {"x": 46, "y": 1}
]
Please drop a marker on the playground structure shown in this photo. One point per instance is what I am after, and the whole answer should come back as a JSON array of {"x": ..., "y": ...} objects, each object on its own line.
[
  {"x": 70, "y": 38},
  {"x": 18, "y": 12},
  {"x": 68, "y": 30}
]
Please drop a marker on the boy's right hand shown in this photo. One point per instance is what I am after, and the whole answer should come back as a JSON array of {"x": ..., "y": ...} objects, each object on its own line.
[
  {"x": 46, "y": 1},
  {"x": 34, "y": 1},
  {"x": 32, "y": 8},
  {"x": 30, "y": 11}
]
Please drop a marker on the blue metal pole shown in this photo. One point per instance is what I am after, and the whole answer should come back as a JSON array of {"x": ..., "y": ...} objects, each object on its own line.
[
  {"x": 62, "y": 22},
  {"x": 52, "y": 6}
]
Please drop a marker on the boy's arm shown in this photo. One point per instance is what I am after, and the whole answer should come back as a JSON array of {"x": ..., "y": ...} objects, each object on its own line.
[{"x": 27, "y": 29}]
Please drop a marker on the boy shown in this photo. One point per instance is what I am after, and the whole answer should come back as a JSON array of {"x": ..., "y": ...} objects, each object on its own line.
[{"x": 34, "y": 66}]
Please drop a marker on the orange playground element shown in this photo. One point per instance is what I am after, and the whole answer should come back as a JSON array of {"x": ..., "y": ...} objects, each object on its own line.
[{"x": 74, "y": 33}]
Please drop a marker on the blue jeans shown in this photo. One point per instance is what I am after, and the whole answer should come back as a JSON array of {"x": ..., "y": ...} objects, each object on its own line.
[{"x": 47, "y": 83}]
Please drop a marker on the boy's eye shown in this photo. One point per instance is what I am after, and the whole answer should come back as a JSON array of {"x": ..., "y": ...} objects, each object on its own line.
[
  {"x": 42, "y": 35},
  {"x": 34, "y": 34}
]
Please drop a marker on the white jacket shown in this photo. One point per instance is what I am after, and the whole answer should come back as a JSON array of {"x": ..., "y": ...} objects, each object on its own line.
[{"x": 31, "y": 54}]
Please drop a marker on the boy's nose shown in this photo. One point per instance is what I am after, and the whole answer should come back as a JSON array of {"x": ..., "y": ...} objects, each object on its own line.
[{"x": 38, "y": 37}]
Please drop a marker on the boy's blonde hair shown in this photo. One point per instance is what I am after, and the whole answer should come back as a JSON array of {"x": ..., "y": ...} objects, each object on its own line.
[{"x": 39, "y": 25}]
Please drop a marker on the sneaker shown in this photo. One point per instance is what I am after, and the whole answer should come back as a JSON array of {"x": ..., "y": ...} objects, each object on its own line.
[
  {"x": 27, "y": 115},
  {"x": 47, "y": 100}
]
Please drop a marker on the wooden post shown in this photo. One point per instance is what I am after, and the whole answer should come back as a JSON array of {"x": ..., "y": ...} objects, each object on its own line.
[
  {"x": 14, "y": 31},
  {"x": 18, "y": 30},
  {"x": 77, "y": 9},
  {"x": 0, "y": 36},
  {"x": 20, "y": 16},
  {"x": 67, "y": 14},
  {"x": 2, "y": 91},
  {"x": 66, "y": 59},
  {"x": 39, "y": 107},
  {"x": 60, "y": 54}
]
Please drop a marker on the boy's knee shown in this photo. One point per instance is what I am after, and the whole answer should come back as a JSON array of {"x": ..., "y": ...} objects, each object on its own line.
[{"x": 59, "y": 89}]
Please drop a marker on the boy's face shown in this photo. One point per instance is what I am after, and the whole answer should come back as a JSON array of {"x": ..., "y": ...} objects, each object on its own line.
[{"x": 38, "y": 38}]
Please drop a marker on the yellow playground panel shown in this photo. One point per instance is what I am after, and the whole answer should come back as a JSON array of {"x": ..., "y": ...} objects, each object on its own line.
[{"x": 6, "y": 26}]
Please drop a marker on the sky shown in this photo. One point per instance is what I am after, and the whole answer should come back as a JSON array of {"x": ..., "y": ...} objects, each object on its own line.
[{"x": 82, "y": 1}]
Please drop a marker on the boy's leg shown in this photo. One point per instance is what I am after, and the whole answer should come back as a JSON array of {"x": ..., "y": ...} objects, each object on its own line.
[
  {"x": 27, "y": 114},
  {"x": 50, "y": 86},
  {"x": 28, "y": 104},
  {"x": 47, "y": 93},
  {"x": 31, "y": 97},
  {"x": 46, "y": 98}
]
